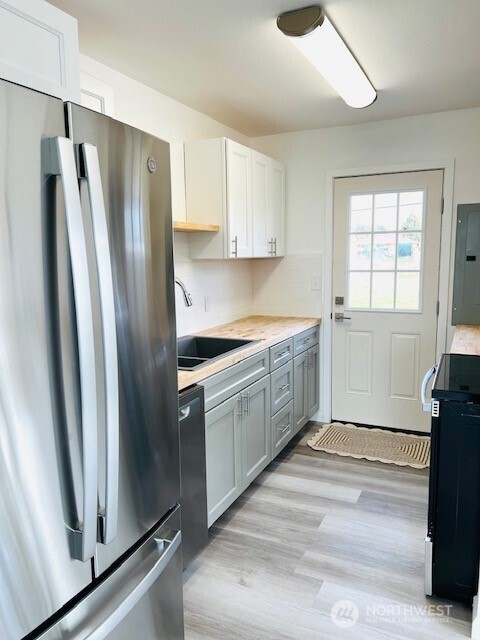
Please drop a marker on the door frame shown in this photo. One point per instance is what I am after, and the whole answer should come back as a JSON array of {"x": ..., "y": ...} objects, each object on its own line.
[{"x": 326, "y": 337}]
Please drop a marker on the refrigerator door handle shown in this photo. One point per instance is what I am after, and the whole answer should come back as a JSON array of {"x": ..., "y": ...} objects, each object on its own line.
[
  {"x": 61, "y": 162},
  {"x": 427, "y": 406},
  {"x": 90, "y": 169},
  {"x": 103, "y": 630}
]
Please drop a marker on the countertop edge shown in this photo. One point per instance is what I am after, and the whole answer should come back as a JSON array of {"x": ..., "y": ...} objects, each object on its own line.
[{"x": 259, "y": 325}]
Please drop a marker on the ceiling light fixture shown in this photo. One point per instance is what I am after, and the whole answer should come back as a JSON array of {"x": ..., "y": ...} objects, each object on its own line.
[{"x": 314, "y": 35}]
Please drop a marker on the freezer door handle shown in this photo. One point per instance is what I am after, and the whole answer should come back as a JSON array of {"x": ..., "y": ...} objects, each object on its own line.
[
  {"x": 90, "y": 169},
  {"x": 169, "y": 547},
  {"x": 427, "y": 406},
  {"x": 61, "y": 162}
]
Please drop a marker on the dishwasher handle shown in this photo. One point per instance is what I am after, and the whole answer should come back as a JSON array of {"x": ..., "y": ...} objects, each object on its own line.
[
  {"x": 185, "y": 409},
  {"x": 427, "y": 406}
]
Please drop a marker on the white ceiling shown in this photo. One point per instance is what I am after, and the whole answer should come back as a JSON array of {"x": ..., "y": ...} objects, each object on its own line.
[{"x": 227, "y": 58}]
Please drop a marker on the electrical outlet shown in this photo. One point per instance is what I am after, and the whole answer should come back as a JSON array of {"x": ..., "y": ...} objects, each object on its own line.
[
  {"x": 316, "y": 283},
  {"x": 206, "y": 301}
]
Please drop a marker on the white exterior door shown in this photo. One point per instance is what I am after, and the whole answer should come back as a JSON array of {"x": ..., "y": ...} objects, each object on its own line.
[
  {"x": 239, "y": 200},
  {"x": 385, "y": 282}
]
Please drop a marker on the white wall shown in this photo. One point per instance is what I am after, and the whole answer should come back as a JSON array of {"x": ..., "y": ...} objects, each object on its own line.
[
  {"x": 309, "y": 155},
  {"x": 226, "y": 283},
  {"x": 229, "y": 286}
]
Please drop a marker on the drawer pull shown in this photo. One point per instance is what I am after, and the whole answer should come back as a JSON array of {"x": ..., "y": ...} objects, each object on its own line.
[
  {"x": 283, "y": 428},
  {"x": 283, "y": 387},
  {"x": 282, "y": 354}
]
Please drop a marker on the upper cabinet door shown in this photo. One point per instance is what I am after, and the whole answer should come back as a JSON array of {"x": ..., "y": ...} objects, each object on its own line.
[
  {"x": 39, "y": 48},
  {"x": 277, "y": 206},
  {"x": 239, "y": 200},
  {"x": 262, "y": 219}
]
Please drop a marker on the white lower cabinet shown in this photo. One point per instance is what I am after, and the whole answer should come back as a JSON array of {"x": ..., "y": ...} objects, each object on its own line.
[
  {"x": 282, "y": 428},
  {"x": 238, "y": 445},
  {"x": 223, "y": 442},
  {"x": 256, "y": 430},
  {"x": 299, "y": 392},
  {"x": 241, "y": 436},
  {"x": 305, "y": 387}
]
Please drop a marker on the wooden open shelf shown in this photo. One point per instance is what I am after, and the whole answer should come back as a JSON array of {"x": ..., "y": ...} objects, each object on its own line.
[{"x": 194, "y": 227}]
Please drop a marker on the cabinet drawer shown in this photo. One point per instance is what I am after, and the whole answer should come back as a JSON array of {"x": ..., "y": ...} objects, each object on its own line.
[
  {"x": 282, "y": 428},
  {"x": 225, "y": 384},
  {"x": 281, "y": 353},
  {"x": 305, "y": 340},
  {"x": 281, "y": 382}
]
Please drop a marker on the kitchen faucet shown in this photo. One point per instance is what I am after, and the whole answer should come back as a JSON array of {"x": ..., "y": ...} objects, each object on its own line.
[{"x": 187, "y": 298}]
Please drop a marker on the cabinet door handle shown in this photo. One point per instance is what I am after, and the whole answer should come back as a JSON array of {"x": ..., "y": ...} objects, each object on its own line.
[
  {"x": 235, "y": 247},
  {"x": 270, "y": 247},
  {"x": 240, "y": 408},
  {"x": 246, "y": 405},
  {"x": 275, "y": 246}
]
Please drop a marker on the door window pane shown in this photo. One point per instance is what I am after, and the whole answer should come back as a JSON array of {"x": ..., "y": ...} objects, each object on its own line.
[
  {"x": 410, "y": 217},
  {"x": 384, "y": 251},
  {"x": 361, "y": 201},
  {"x": 385, "y": 244},
  {"x": 361, "y": 212},
  {"x": 360, "y": 252},
  {"x": 383, "y": 290},
  {"x": 361, "y": 220},
  {"x": 359, "y": 290},
  {"x": 408, "y": 291},
  {"x": 409, "y": 251},
  {"x": 385, "y": 217}
]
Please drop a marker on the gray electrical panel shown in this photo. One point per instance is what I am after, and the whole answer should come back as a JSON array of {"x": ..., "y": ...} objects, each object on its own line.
[{"x": 466, "y": 285}]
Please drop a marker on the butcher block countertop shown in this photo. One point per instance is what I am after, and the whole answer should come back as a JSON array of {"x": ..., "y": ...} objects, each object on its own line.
[
  {"x": 269, "y": 330},
  {"x": 466, "y": 340}
]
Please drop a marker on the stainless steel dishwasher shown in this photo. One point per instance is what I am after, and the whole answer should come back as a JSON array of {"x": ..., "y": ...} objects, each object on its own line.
[{"x": 193, "y": 472}]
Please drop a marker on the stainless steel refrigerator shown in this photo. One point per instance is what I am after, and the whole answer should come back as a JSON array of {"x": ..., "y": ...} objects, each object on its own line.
[{"x": 89, "y": 444}]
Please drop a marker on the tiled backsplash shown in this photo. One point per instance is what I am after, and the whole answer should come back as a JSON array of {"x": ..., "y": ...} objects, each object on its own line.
[
  {"x": 226, "y": 283},
  {"x": 239, "y": 288},
  {"x": 283, "y": 287}
]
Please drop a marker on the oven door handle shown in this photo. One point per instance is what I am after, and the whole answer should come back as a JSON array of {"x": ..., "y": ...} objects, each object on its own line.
[{"x": 427, "y": 406}]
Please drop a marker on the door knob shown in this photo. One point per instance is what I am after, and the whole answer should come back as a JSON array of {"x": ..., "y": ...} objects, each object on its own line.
[{"x": 340, "y": 317}]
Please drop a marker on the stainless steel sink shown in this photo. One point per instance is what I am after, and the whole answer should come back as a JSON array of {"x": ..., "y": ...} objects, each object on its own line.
[{"x": 197, "y": 351}]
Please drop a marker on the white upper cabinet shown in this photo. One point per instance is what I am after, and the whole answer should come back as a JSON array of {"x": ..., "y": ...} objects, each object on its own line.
[
  {"x": 239, "y": 200},
  {"x": 39, "y": 48},
  {"x": 262, "y": 226},
  {"x": 277, "y": 207},
  {"x": 268, "y": 198},
  {"x": 242, "y": 191}
]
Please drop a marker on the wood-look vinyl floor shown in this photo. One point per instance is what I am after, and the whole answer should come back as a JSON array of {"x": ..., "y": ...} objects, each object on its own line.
[{"x": 312, "y": 530}]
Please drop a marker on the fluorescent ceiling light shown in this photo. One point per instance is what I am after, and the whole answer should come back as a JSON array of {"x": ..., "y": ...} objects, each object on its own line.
[{"x": 315, "y": 36}]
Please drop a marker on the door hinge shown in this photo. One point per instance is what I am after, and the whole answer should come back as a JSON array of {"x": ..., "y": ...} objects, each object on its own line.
[
  {"x": 435, "y": 408},
  {"x": 438, "y": 307}
]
